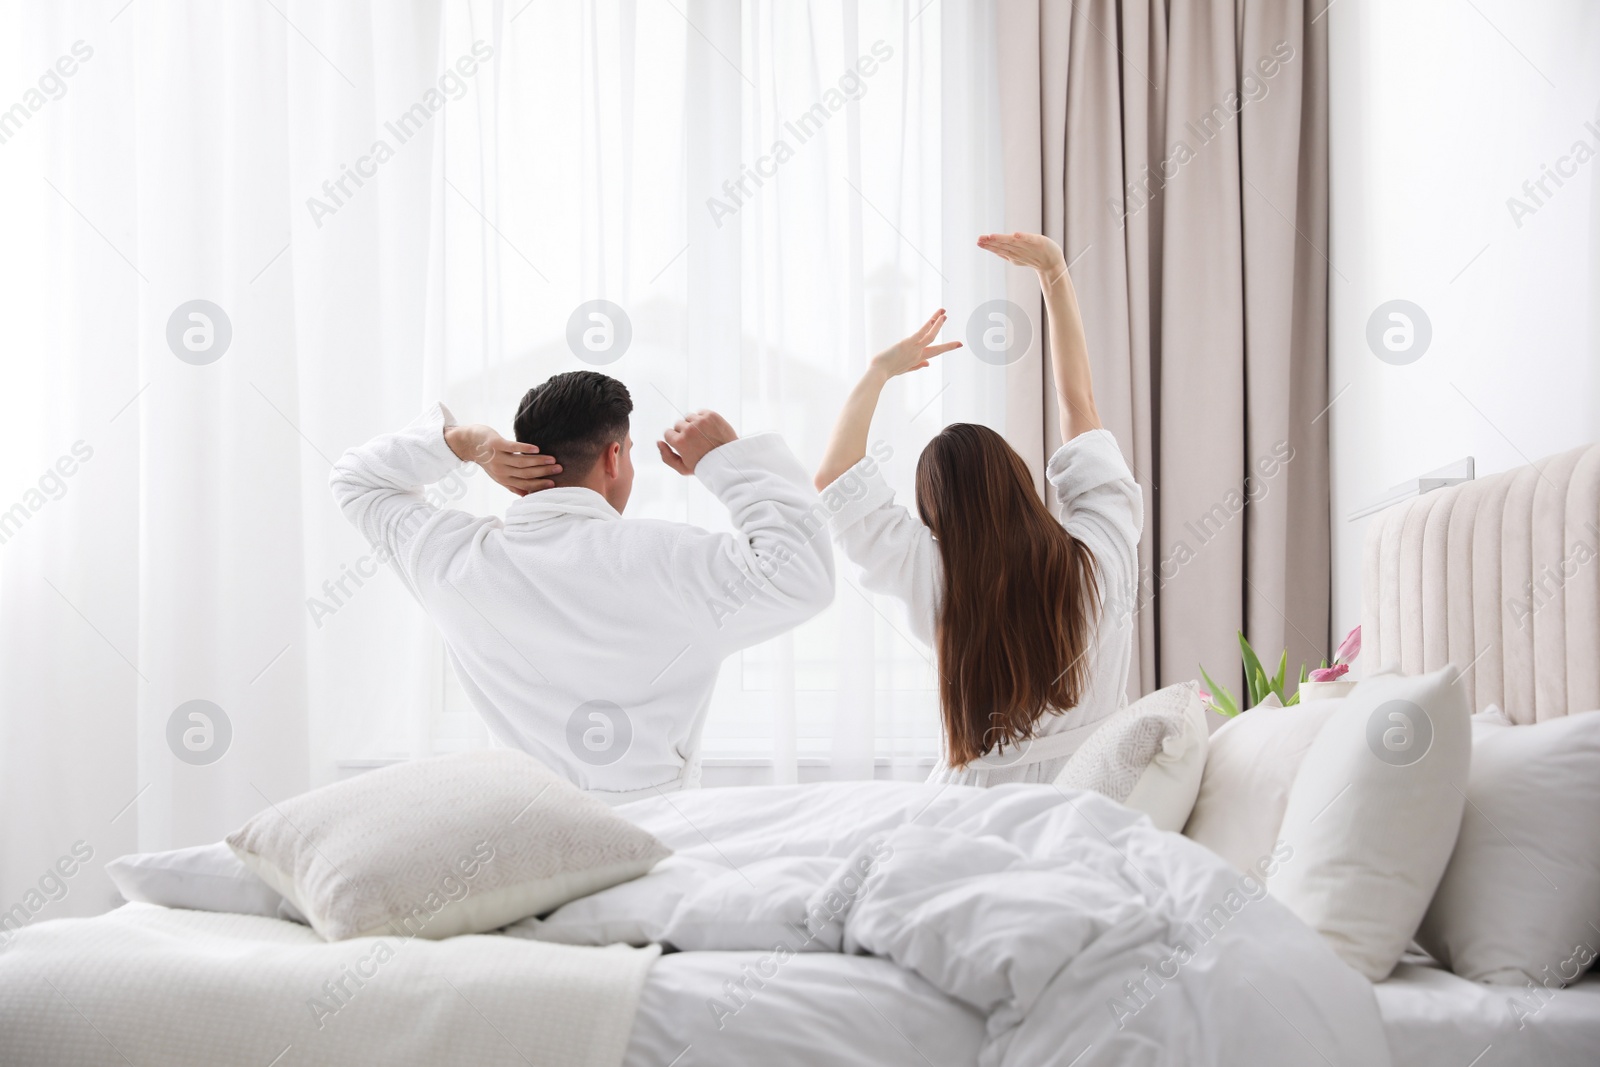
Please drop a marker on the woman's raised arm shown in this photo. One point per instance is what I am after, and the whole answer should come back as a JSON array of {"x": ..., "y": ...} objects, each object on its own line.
[
  {"x": 1069, "y": 350},
  {"x": 848, "y": 444}
]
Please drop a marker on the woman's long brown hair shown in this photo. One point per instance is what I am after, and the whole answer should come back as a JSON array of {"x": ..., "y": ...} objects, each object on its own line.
[{"x": 1017, "y": 615}]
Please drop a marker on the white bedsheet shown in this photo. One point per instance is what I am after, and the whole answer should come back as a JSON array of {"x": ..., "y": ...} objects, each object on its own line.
[
  {"x": 1435, "y": 1019},
  {"x": 1056, "y": 917},
  {"x": 150, "y": 986}
]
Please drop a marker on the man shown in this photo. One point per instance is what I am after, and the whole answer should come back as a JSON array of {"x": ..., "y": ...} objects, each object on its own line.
[{"x": 588, "y": 641}]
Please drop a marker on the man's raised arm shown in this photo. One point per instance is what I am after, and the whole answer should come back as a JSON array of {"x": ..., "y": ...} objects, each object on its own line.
[
  {"x": 379, "y": 485},
  {"x": 777, "y": 570}
]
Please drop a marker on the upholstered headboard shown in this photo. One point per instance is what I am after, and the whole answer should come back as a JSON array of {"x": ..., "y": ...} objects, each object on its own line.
[{"x": 1499, "y": 576}]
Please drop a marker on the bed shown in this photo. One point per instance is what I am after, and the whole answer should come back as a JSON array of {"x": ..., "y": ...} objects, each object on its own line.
[
  {"x": 1021, "y": 926},
  {"x": 1496, "y": 576}
]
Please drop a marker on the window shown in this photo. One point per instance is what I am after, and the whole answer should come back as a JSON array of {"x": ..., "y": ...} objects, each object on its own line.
[{"x": 769, "y": 196}]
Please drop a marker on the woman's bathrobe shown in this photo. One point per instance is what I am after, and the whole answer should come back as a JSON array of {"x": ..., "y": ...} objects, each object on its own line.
[{"x": 1100, "y": 504}]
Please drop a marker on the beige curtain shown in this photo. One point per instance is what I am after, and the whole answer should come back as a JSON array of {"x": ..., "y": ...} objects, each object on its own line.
[{"x": 1178, "y": 152}]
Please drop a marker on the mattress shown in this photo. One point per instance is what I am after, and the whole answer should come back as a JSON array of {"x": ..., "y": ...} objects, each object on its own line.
[
  {"x": 1435, "y": 1019},
  {"x": 705, "y": 1008}
]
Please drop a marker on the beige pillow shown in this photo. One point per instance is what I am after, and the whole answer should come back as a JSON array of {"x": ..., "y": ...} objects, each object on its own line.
[
  {"x": 1374, "y": 814},
  {"x": 1250, "y": 768},
  {"x": 437, "y": 847},
  {"x": 1149, "y": 755}
]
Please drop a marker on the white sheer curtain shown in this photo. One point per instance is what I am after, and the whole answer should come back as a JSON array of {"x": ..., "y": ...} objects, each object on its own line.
[
  {"x": 534, "y": 157},
  {"x": 172, "y": 165},
  {"x": 770, "y": 192}
]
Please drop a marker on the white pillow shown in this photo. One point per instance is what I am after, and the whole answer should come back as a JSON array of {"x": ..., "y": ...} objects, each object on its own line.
[
  {"x": 1520, "y": 899},
  {"x": 1169, "y": 786},
  {"x": 437, "y": 847},
  {"x": 201, "y": 878},
  {"x": 691, "y": 904},
  {"x": 1373, "y": 815},
  {"x": 1488, "y": 717},
  {"x": 1250, "y": 768},
  {"x": 1149, "y": 755}
]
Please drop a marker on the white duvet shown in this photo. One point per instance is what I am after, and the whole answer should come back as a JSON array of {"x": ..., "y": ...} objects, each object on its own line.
[{"x": 1079, "y": 933}]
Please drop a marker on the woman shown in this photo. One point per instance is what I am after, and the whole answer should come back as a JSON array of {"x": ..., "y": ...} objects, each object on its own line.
[{"x": 1030, "y": 618}]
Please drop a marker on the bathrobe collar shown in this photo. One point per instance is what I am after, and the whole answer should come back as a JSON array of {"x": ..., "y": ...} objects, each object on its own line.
[{"x": 549, "y": 505}]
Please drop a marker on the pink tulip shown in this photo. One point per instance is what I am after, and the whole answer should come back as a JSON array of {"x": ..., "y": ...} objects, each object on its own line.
[
  {"x": 1350, "y": 647},
  {"x": 1330, "y": 674}
]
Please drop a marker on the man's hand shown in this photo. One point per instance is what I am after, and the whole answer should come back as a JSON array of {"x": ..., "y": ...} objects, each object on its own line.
[
  {"x": 684, "y": 445},
  {"x": 518, "y": 467}
]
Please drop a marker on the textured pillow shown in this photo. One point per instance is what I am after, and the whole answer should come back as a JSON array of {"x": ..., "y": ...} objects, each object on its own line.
[
  {"x": 1167, "y": 789},
  {"x": 1251, "y": 765},
  {"x": 1520, "y": 899},
  {"x": 1149, "y": 755},
  {"x": 202, "y": 878},
  {"x": 1373, "y": 815},
  {"x": 437, "y": 847}
]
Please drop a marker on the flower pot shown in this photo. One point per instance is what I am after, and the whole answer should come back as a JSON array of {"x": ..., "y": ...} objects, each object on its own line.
[{"x": 1310, "y": 691}]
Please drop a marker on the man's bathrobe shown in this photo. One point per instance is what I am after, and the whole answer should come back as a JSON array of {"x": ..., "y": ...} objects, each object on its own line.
[{"x": 589, "y": 640}]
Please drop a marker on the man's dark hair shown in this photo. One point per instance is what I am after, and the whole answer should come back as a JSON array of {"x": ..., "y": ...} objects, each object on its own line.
[{"x": 573, "y": 417}]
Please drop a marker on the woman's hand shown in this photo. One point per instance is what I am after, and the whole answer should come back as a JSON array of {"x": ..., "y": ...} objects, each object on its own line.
[
  {"x": 1026, "y": 250},
  {"x": 1069, "y": 348},
  {"x": 518, "y": 467},
  {"x": 848, "y": 445},
  {"x": 915, "y": 351}
]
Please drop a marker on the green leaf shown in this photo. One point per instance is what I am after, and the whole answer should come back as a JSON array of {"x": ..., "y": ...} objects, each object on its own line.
[
  {"x": 1305, "y": 676},
  {"x": 1252, "y": 671},
  {"x": 1283, "y": 667},
  {"x": 1221, "y": 699}
]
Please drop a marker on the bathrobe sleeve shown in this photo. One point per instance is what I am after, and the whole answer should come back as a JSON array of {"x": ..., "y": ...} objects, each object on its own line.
[
  {"x": 1102, "y": 506},
  {"x": 776, "y": 571},
  {"x": 379, "y": 487},
  {"x": 893, "y": 548}
]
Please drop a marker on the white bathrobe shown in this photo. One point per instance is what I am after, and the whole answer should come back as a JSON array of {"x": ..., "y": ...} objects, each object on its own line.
[
  {"x": 589, "y": 640},
  {"x": 1101, "y": 505}
]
